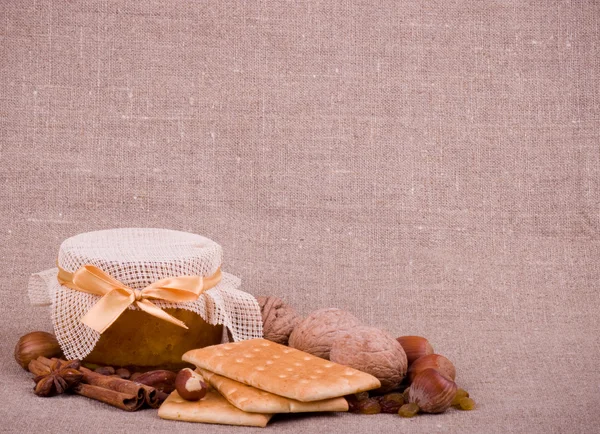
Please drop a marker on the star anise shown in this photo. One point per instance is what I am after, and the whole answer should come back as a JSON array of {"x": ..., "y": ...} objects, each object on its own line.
[{"x": 57, "y": 378}]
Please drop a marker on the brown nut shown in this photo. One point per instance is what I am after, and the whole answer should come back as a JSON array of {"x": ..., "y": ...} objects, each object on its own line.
[
  {"x": 105, "y": 370},
  {"x": 373, "y": 351},
  {"x": 36, "y": 344},
  {"x": 190, "y": 385},
  {"x": 316, "y": 333},
  {"x": 161, "y": 380},
  {"x": 123, "y": 373},
  {"x": 415, "y": 347},
  {"x": 279, "y": 319},
  {"x": 432, "y": 391},
  {"x": 435, "y": 361}
]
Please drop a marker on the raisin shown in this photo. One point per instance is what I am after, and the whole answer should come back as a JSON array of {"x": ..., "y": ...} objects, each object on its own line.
[
  {"x": 363, "y": 395},
  {"x": 460, "y": 393},
  {"x": 354, "y": 399},
  {"x": 466, "y": 403},
  {"x": 408, "y": 410},
  {"x": 368, "y": 406},
  {"x": 391, "y": 402}
]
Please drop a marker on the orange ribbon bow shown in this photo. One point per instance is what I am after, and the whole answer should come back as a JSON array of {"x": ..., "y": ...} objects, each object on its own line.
[{"x": 116, "y": 297}]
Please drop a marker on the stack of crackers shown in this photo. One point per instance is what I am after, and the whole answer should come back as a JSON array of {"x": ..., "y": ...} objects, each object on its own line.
[{"x": 255, "y": 379}]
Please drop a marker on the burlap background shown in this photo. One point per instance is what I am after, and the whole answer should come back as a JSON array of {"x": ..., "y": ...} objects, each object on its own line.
[{"x": 432, "y": 166}]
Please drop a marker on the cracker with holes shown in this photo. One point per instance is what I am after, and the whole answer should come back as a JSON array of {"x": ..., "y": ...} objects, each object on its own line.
[
  {"x": 281, "y": 370},
  {"x": 253, "y": 400},
  {"x": 213, "y": 408}
]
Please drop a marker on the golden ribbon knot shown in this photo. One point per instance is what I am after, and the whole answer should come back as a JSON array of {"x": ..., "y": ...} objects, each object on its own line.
[{"x": 116, "y": 296}]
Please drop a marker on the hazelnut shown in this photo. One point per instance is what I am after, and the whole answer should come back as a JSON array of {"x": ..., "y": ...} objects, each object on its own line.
[
  {"x": 36, "y": 344},
  {"x": 415, "y": 347},
  {"x": 190, "y": 385},
  {"x": 432, "y": 391},
  {"x": 373, "y": 351},
  {"x": 435, "y": 361},
  {"x": 316, "y": 333}
]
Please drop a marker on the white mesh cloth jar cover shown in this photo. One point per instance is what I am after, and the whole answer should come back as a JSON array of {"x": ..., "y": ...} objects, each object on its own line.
[{"x": 138, "y": 257}]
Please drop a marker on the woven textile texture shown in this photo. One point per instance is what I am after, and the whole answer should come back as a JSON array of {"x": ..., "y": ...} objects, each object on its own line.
[{"x": 431, "y": 166}]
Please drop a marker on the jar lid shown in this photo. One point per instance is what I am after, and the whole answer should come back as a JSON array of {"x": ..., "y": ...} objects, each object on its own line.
[{"x": 140, "y": 256}]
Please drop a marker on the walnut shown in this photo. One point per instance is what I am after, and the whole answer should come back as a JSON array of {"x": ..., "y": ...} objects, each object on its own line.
[
  {"x": 317, "y": 332},
  {"x": 279, "y": 319},
  {"x": 373, "y": 351}
]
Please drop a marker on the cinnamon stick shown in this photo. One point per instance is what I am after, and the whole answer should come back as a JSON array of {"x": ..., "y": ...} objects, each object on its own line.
[
  {"x": 147, "y": 393},
  {"x": 124, "y": 401},
  {"x": 117, "y": 392}
]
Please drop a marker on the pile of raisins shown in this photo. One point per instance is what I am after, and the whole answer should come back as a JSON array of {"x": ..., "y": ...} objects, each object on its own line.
[{"x": 397, "y": 403}]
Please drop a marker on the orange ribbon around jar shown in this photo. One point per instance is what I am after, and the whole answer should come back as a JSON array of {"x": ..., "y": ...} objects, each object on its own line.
[{"x": 116, "y": 296}]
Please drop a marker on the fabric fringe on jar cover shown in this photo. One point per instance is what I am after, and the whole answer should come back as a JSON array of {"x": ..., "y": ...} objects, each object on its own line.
[{"x": 138, "y": 257}]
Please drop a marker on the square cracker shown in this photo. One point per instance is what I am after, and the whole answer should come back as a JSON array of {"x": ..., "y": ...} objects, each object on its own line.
[
  {"x": 281, "y": 370},
  {"x": 251, "y": 399},
  {"x": 213, "y": 408}
]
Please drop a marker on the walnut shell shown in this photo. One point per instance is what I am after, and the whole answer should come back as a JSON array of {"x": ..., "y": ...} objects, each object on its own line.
[
  {"x": 316, "y": 333},
  {"x": 373, "y": 351},
  {"x": 279, "y": 319}
]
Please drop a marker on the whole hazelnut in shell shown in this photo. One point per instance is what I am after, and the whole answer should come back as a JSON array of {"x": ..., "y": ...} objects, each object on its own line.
[
  {"x": 373, "y": 351},
  {"x": 36, "y": 344},
  {"x": 190, "y": 385},
  {"x": 435, "y": 361},
  {"x": 316, "y": 333},
  {"x": 415, "y": 347},
  {"x": 432, "y": 391}
]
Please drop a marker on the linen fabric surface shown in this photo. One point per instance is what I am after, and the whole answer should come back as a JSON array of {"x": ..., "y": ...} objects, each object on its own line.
[{"x": 432, "y": 167}]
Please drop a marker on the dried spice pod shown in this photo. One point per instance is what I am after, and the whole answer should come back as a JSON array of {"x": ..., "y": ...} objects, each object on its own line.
[
  {"x": 435, "y": 361},
  {"x": 36, "y": 344},
  {"x": 415, "y": 347},
  {"x": 432, "y": 391},
  {"x": 55, "y": 378}
]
